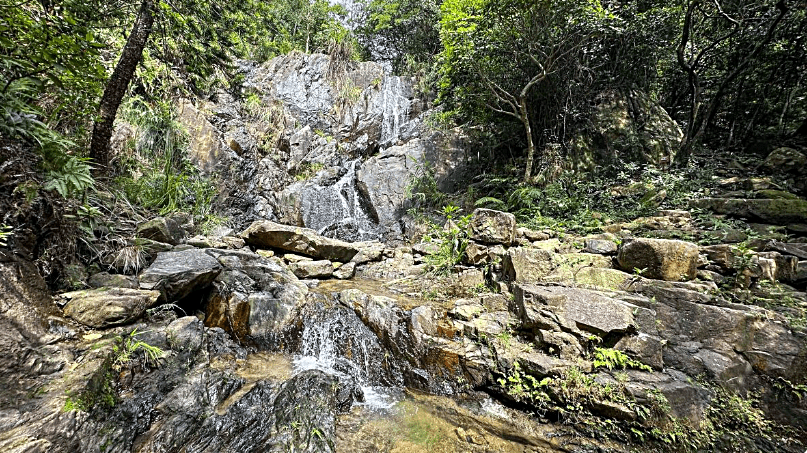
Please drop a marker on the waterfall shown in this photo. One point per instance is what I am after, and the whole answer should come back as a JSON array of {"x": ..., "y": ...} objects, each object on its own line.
[
  {"x": 337, "y": 342},
  {"x": 338, "y": 210},
  {"x": 395, "y": 110}
]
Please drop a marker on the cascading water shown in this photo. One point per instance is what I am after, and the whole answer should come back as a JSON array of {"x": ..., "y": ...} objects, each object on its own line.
[
  {"x": 337, "y": 342},
  {"x": 395, "y": 109},
  {"x": 338, "y": 210}
]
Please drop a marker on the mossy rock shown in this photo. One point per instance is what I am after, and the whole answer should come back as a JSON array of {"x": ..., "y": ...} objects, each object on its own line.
[{"x": 774, "y": 211}]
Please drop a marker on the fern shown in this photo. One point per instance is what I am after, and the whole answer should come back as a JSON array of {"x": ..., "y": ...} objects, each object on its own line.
[
  {"x": 491, "y": 202},
  {"x": 72, "y": 178},
  {"x": 612, "y": 358}
]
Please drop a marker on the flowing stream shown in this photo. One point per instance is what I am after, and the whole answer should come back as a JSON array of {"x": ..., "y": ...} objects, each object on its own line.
[{"x": 337, "y": 342}]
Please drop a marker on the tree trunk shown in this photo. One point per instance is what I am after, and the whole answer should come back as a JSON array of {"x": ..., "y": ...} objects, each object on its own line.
[
  {"x": 119, "y": 82},
  {"x": 525, "y": 118}
]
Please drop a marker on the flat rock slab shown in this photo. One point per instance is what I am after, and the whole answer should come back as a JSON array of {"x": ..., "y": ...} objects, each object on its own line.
[
  {"x": 107, "y": 307},
  {"x": 775, "y": 211},
  {"x": 312, "y": 269},
  {"x": 177, "y": 274},
  {"x": 573, "y": 309},
  {"x": 264, "y": 233}
]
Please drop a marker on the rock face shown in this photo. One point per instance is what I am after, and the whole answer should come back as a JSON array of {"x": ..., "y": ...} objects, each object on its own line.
[
  {"x": 660, "y": 258},
  {"x": 492, "y": 227},
  {"x": 177, "y": 274},
  {"x": 106, "y": 307},
  {"x": 267, "y": 234},
  {"x": 774, "y": 211},
  {"x": 330, "y": 152},
  {"x": 573, "y": 310}
]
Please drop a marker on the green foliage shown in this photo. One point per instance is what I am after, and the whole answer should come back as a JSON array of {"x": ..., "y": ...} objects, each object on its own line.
[
  {"x": 524, "y": 387},
  {"x": 162, "y": 178},
  {"x": 615, "y": 359},
  {"x": 50, "y": 64},
  {"x": 402, "y": 32},
  {"x": 422, "y": 191},
  {"x": 72, "y": 178},
  {"x": 451, "y": 240},
  {"x": 128, "y": 346},
  {"x": 5, "y": 232},
  {"x": 584, "y": 202},
  {"x": 308, "y": 170}
]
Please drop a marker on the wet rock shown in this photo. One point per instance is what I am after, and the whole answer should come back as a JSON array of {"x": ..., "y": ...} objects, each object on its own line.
[
  {"x": 177, "y": 274},
  {"x": 161, "y": 229},
  {"x": 106, "y": 307},
  {"x": 572, "y": 309},
  {"x": 186, "y": 333},
  {"x": 254, "y": 298},
  {"x": 492, "y": 227},
  {"x": 660, "y": 258},
  {"x": 104, "y": 279},
  {"x": 298, "y": 240},
  {"x": 345, "y": 271},
  {"x": 775, "y": 211},
  {"x": 312, "y": 269}
]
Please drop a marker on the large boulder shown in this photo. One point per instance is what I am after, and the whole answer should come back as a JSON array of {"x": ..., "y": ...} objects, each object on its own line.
[
  {"x": 312, "y": 269},
  {"x": 535, "y": 264},
  {"x": 267, "y": 234},
  {"x": 254, "y": 298},
  {"x": 774, "y": 211},
  {"x": 492, "y": 227},
  {"x": 787, "y": 160},
  {"x": 627, "y": 127},
  {"x": 161, "y": 229},
  {"x": 572, "y": 309},
  {"x": 106, "y": 307},
  {"x": 178, "y": 274},
  {"x": 661, "y": 259}
]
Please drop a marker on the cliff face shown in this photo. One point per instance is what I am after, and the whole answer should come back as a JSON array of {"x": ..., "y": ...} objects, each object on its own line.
[{"x": 326, "y": 145}]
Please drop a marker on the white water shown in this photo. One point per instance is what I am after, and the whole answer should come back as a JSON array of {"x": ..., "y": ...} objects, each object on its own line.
[
  {"x": 341, "y": 345},
  {"x": 338, "y": 208},
  {"x": 395, "y": 109}
]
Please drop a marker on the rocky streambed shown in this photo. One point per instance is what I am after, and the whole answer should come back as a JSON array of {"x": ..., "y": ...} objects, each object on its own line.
[{"x": 279, "y": 339}]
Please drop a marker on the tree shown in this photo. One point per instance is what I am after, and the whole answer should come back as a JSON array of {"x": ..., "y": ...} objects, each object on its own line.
[
  {"x": 400, "y": 31},
  {"x": 119, "y": 82},
  {"x": 712, "y": 31},
  {"x": 521, "y": 58}
]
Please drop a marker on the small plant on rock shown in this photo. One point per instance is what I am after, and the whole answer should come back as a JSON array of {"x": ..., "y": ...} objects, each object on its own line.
[
  {"x": 452, "y": 239},
  {"x": 615, "y": 359}
]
